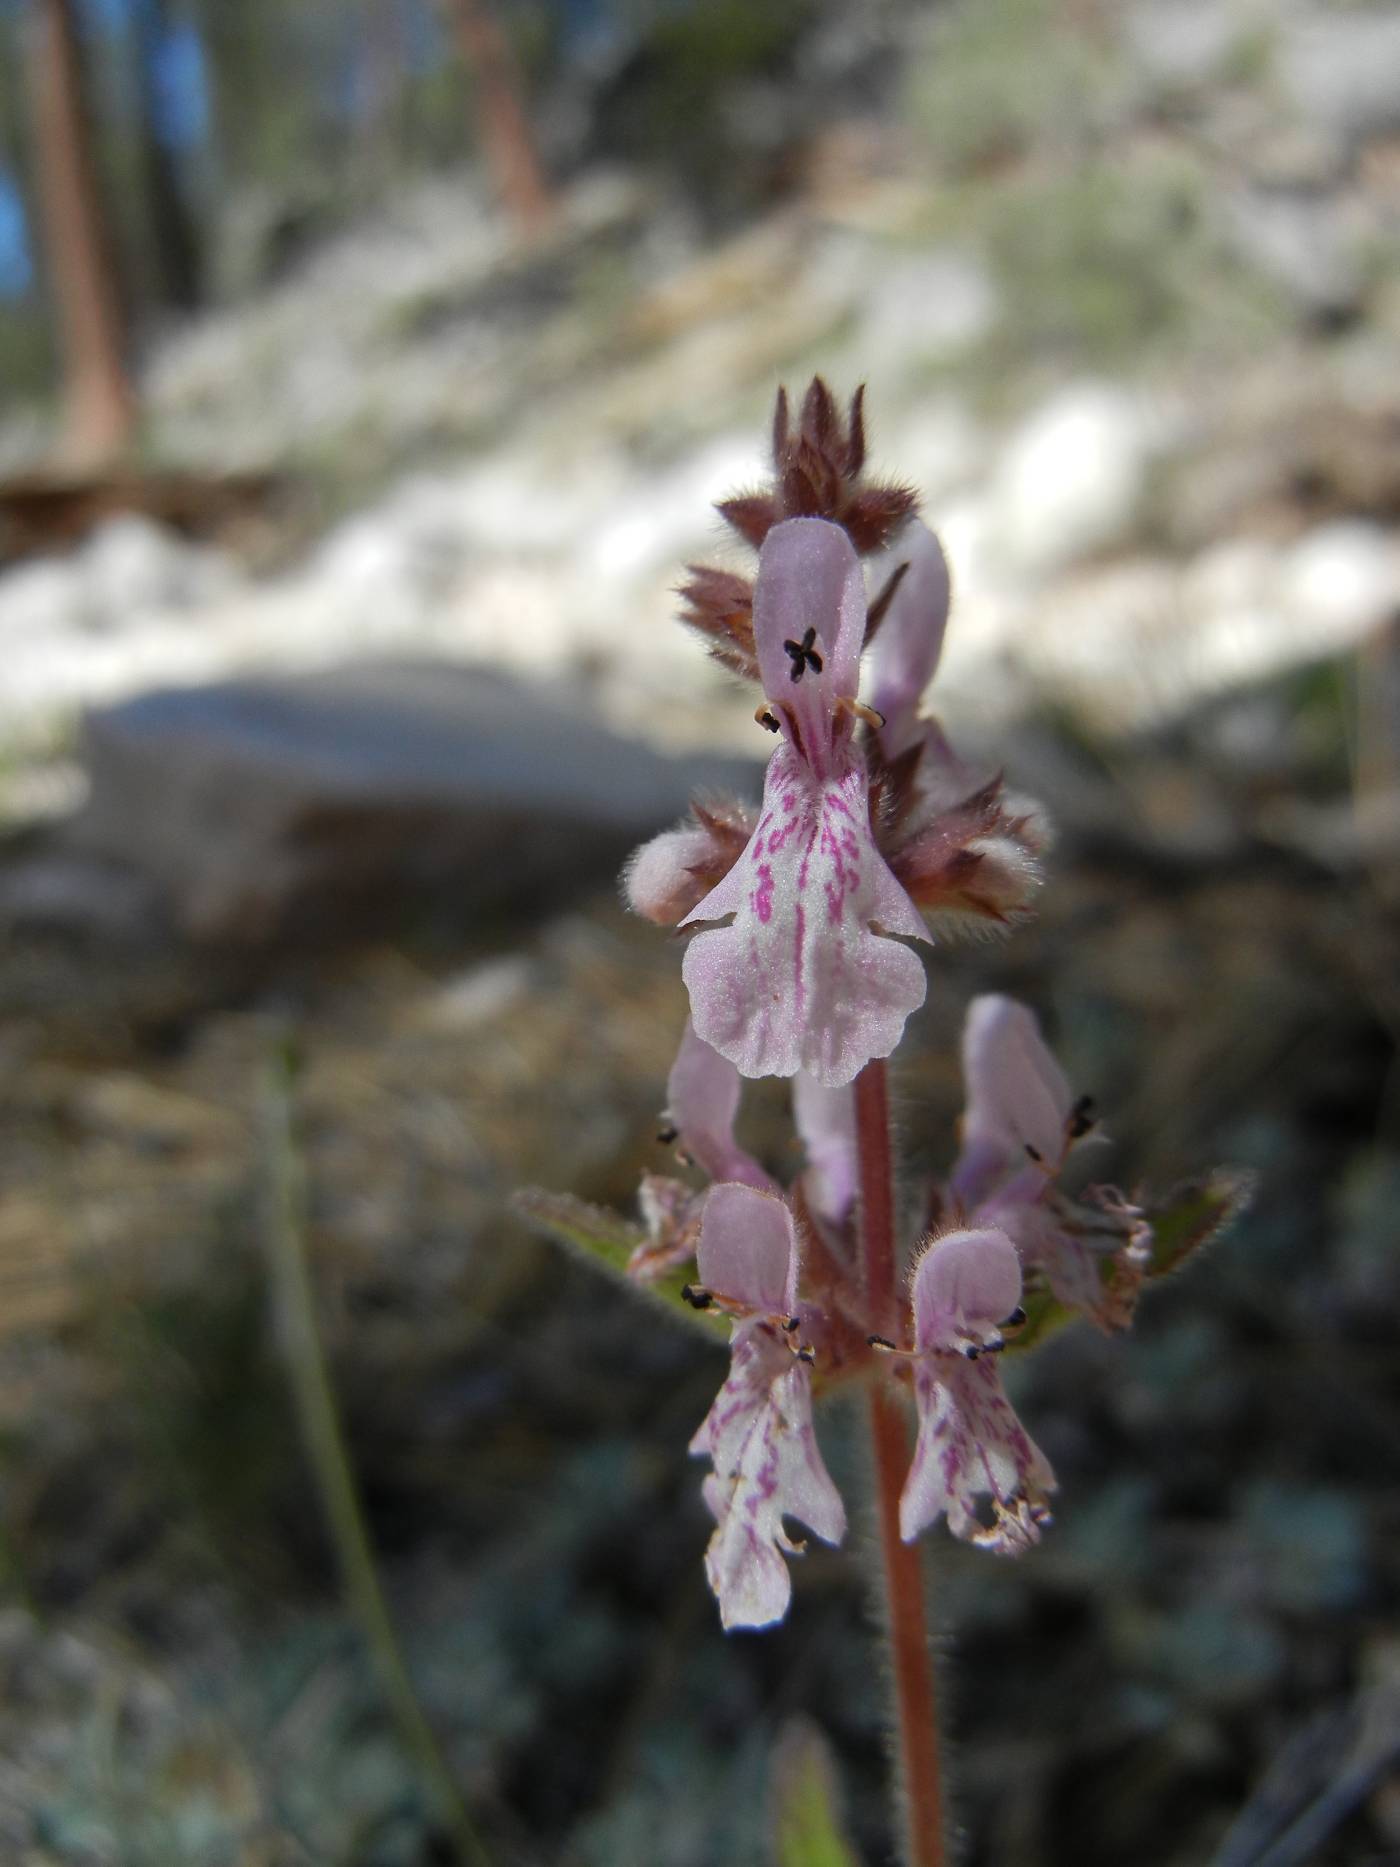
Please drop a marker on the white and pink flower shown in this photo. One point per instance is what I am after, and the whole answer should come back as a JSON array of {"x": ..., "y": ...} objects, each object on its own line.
[{"x": 758, "y": 1435}]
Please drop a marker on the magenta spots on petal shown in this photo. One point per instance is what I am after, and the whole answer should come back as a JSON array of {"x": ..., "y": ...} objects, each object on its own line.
[{"x": 763, "y": 894}]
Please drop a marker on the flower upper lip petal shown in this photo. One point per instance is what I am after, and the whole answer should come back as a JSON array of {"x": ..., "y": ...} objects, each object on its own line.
[{"x": 809, "y": 594}]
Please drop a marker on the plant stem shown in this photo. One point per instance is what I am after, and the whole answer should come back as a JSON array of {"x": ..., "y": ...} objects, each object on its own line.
[
  {"x": 326, "y": 1450},
  {"x": 915, "y": 1697}
]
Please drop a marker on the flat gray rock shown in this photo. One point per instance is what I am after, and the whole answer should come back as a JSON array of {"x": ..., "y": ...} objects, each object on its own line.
[{"x": 273, "y": 807}]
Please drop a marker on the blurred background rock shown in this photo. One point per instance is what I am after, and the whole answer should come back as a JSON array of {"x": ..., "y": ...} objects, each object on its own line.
[{"x": 338, "y": 529}]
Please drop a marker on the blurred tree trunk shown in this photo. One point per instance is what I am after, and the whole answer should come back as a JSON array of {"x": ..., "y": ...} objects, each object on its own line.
[
  {"x": 177, "y": 247},
  {"x": 506, "y": 135},
  {"x": 101, "y": 403}
]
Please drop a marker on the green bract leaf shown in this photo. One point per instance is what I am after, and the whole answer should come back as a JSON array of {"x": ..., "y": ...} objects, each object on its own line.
[
  {"x": 607, "y": 1240},
  {"x": 1194, "y": 1213},
  {"x": 1045, "y": 1316},
  {"x": 809, "y": 1831}
]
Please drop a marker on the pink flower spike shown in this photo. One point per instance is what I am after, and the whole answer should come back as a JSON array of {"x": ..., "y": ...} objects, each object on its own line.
[
  {"x": 971, "y": 1444},
  {"x": 808, "y": 625},
  {"x": 905, "y": 655},
  {"x": 748, "y": 1250},
  {"x": 826, "y": 1121},
  {"x": 1018, "y": 1099},
  {"x": 702, "y": 1100},
  {"x": 799, "y": 980}
]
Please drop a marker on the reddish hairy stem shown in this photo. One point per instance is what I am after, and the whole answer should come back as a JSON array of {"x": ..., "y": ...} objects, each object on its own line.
[{"x": 915, "y": 1697}]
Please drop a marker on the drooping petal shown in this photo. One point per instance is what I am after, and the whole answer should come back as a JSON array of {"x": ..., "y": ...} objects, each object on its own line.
[
  {"x": 767, "y": 1466},
  {"x": 972, "y": 1446},
  {"x": 905, "y": 655},
  {"x": 798, "y": 980},
  {"x": 702, "y": 1099},
  {"x": 826, "y": 1122},
  {"x": 748, "y": 1249},
  {"x": 1018, "y": 1098},
  {"x": 808, "y": 624},
  {"x": 964, "y": 1285}
]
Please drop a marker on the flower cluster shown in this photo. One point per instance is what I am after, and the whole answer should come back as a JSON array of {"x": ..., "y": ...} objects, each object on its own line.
[{"x": 803, "y": 920}]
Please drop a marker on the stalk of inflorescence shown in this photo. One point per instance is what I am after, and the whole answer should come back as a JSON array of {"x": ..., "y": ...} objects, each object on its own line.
[{"x": 905, "y": 1611}]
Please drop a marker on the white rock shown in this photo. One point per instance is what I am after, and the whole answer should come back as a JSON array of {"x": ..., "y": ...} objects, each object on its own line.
[
  {"x": 43, "y": 599},
  {"x": 935, "y": 447},
  {"x": 131, "y": 566},
  {"x": 1343, "y": 70},
  {"x": 1071, "y": 479},
  {"x": 1236, "y": 574},
  {"x": 1181, "y": 42},
  {"x": 1340, "y": 581},
  {"x": 1304, "y": 242},
  {"x": 672, "y": 516},
  {"x": 926, "y": 307}
]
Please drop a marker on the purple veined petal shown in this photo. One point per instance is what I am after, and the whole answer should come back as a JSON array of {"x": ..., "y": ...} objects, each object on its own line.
[
  {"x": 767, "y": 1466},
  {"x": 826, "y": 1121},
  {"x": 702, "y": 1099},
  {"x": 906, "y": 652},
  {"x": 798, "y": 980},
  {"x": 1017, "y": 1095},
  {"x": 972, "y": 1446},
  {"x": 964, "y": 1285},
  {"x": 748, "y": 1249},
  {"x": 809, "y": 580}
]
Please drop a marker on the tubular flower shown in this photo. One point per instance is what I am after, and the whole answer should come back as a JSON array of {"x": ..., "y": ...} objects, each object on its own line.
[
  {"x": 971, "y": 1444},
  {"x": 802, "y": 975},
  {"x": 758, "y": 1435},
  {"x": 702, "y": 1100},
  {"x": 826, "y": 1125},
  {"x": 1021, "y": 1123},
  {"x": 966, "y": 853}
]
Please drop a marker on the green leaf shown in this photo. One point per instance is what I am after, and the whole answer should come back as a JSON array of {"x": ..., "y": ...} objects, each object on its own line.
[
  {"x": 606, "y": 1240},
  {"x": 1193, "y": 1214},
  {"x": 1045, "y": 1316},
  {"x": 808, "y": 1827},
  {"x": 1182, "y": 1221}
]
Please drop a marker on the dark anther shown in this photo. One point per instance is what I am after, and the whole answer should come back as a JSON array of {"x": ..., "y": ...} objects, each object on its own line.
[
  {"x": 666, "y": 1134},
  {"x": 804, "y": 655},
  {"x": 1035, "y": 1154},
  {"x": 973, "y": 1352},
  {"x": 790, "y": 1324},
  {"x": 807, "y": 1354},
  {"x": 878, "y": 1341},
  {"x": 1081, "y": 1118},
  {"x": 768, "y": 721},
  {"x": 696, "y": 1296},
  {"x": 1015, "y": 1319}
]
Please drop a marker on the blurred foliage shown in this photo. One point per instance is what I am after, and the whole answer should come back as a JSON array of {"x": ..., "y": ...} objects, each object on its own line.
[
  {"x": 807, "y": 1824},
  {"x": 998, "y": 78}
]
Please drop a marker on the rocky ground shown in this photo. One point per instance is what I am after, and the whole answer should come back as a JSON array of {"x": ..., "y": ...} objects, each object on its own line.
[{"x": 1141, "y": 357}]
